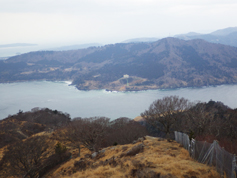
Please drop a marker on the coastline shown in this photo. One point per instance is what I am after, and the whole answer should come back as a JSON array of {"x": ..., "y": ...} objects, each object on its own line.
[
  {"x": 126, "y": 89},
  {"x": 158, "y": 88}
]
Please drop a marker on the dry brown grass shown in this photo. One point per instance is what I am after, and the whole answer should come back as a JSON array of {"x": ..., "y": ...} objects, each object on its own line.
[
  {"x": 1, "y": 151},
  {"x": 159, "y": 156}
]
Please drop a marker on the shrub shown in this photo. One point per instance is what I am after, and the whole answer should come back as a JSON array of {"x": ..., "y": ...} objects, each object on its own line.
[{"x": 60, "y": 149}]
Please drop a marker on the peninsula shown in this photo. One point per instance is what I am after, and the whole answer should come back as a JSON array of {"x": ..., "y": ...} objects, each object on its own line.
[{"x": 166, "y": 63}]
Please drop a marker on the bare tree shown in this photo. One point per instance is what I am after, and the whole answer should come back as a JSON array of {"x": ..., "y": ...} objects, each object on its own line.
[
  {"x": 25, "y": 158},
  {"x": 230, "y": 126},
  {"x": 88, "y": 132},
  {"x": 208, "y": 119},
  {"x": 199, "y": 119},
  {"x": 70, "y": 134},
  {"x": 124, "y": 131},
  {"x": 162, "y": 113}
]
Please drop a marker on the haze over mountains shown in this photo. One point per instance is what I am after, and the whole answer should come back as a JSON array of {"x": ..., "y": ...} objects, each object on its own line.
[
  {"x": 16, "y": 45},
  {"x": 74, "y": 47},
  {"x": 227, "y": 36},
  {"x": 166, "y": 63},
  {"x": 139, "y": 40}
]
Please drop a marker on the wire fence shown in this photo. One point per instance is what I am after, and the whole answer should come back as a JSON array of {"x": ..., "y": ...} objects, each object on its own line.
[{"x": 210, "y": 154}]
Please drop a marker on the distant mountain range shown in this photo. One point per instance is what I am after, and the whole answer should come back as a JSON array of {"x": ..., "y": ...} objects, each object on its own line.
[
  {"x": 166, "y": 63},
  {"x": 16, "y": 45},
  {"x": 227, "y": 36},
  {"x": 139, "y": 40},
  {"x": 74, "y": 47}
]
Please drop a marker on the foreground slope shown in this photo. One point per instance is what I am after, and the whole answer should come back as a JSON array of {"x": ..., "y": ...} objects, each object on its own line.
[
  {"x": 148, "y": 157},
  {"x": 167, "y": 63},
  {"x": 153, "y": 157},
  {"x": 144, "y": 157}
]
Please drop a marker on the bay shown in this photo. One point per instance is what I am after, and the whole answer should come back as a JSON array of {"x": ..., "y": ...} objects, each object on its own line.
[{"x": 62, "y": 97}]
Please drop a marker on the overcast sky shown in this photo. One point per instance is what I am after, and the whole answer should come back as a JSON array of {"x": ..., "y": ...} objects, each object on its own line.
[{"x": 109, "y": 21}]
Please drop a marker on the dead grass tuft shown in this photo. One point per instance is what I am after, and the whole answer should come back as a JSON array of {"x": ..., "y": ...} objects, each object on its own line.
[{"x": 134, "y": 150}]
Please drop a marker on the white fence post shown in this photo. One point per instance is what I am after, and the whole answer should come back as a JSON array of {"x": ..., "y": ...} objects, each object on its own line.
[
  {"x": 233, "y": 175},
  {"x": 193, "y": 144}
]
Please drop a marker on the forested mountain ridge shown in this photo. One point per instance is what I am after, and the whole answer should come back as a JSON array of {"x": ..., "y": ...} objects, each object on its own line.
[{"x": 166, "y": 63}]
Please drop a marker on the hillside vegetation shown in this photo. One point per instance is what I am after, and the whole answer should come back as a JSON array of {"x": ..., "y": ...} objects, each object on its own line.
[
  {"x": 166, "y": 63},
  {"x": 47, "y": 143}
]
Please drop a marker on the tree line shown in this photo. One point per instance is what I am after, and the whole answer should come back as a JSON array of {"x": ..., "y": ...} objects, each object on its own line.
[{"x": 202, "y": 121}]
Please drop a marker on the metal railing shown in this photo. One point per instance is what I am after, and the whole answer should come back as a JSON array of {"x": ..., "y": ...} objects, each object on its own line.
[{"x": 209, "y": 153}]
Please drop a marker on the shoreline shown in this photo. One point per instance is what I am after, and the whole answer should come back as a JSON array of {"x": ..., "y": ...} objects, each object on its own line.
[
  {"x": 151, "y": 89},
  {"x": 70, "y": 83}
]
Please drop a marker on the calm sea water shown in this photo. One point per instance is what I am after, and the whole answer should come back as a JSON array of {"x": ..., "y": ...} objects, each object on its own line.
[{"x": 65, "y": 98}]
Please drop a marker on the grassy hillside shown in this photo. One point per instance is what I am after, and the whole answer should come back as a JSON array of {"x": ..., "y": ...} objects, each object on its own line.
[
  {"x": 151, "y": 157},
  {"x": 158, "y": 158}
]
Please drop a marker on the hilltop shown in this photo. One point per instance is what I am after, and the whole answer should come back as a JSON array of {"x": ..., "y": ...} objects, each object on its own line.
[
  {"x": 166, "y": 63},
  {"x": 148, "y": 157},
  {"x": 153, "y": 157},
  {"x": 23, "y": 125}
]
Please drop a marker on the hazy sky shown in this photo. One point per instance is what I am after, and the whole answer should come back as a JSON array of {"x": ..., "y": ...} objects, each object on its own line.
[{"x": 109, "y": 21}]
